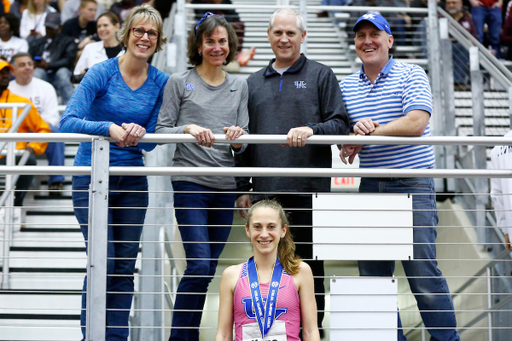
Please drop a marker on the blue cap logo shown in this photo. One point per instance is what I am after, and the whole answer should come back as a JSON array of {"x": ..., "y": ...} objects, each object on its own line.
[{"x": 376, "y": 19}]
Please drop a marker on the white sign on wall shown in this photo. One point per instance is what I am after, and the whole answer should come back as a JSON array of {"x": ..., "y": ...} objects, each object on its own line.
[
  {"x": 362, "y": 226},
  {"x": 364, "y": 309}
]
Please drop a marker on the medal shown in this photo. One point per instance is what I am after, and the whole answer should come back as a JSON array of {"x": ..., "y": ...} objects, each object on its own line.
[{"x": 264, "y": 314}]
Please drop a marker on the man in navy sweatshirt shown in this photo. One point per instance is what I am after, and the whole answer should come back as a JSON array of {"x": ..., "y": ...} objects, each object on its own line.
[{"x": 300, "y": 98}]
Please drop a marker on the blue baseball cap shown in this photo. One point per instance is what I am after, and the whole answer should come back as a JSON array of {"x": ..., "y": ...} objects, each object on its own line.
[{"x": 376, "y": 19}]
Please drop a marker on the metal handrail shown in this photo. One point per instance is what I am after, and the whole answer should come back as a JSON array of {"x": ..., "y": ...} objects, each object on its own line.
[
  {"x": 272, "y": 139},
  {"x": 14, "y": 128},
  {"x": 487, "y": 59}
]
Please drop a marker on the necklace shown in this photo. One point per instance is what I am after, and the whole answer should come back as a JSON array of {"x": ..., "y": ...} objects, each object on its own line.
[{"x": 257, "y": 272}]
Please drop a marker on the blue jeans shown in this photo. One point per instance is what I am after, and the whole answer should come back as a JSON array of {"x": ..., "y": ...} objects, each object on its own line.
[
  {"x": 460, "y": 57},
  {"x": 123, "y": 225},
  {"x": 203, "y": 218},
  {"x": 422, "y": 273},
  {"x": 55, "y": 155},
  {"x": 60, "y": 79},
  {"x": 491, "y": 17}
]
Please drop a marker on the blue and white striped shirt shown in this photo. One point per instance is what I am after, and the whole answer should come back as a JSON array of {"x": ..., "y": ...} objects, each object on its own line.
[{"x": 398, "y": 89}]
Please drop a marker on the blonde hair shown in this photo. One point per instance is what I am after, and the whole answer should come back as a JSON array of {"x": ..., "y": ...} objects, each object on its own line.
[
  {"x": 143, "y": 14},
  {"x": 31, "y": 6},
  {"x": 286, "y": 247}
]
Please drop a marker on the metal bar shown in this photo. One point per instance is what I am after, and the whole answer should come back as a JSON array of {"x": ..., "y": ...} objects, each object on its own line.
[
  {"x": 303, "y": 11},
  {"x": 180, "y": 36},
  {"x": 149, "y": 307},
  {"x": 489, "y": 302},
  {"x": 275, "y": 139},
  {"x": 8, "y": 189},
  {"x": 10, "y": 183},
  {"x": 314, "y": 8},
  {"x": 97, "y": 248},
  {"x": 16, "y": 120},
  {"x": 484, "y": 314},
  {"x": 269, "y": 171},
  {"x": 448, "y": 103},
  {"x": 480, "y": 272},
  {"x": 510, "y": 105},
  {"x": 479, "y": 152}
]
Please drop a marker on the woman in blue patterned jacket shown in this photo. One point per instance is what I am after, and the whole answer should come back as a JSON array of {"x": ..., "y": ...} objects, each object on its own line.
[{"x": 119, "y": 98}]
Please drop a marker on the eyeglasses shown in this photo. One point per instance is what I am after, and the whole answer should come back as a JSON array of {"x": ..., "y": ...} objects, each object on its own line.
[
  {"x": 139, "y": 33},
  {"x": 205, "y": 16}
]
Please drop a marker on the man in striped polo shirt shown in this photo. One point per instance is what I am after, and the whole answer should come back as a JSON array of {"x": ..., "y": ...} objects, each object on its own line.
[{"x": 390, "y": 98}]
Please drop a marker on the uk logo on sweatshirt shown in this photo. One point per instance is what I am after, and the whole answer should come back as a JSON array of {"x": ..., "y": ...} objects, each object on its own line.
[
  {"x": 189, "y": 86},
  {"x": 300, "y": 84}
]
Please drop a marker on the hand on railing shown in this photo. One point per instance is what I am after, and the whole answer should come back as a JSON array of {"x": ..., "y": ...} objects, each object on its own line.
[
  {"x": 133, "y": 133},
  {"x": 297, "y": 136},
  {"x": 232, "y": 133},
  {"x": 203, "y": 136}
]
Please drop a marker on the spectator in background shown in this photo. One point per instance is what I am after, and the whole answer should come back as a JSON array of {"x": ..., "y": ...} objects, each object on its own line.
[
  {"x": 71, "y": 9},
  {"x": 163, "y": 7},
  {"x": 405, "y": 111},
  {"x": 501, "y": 189},
  {"x": 488, "y": 12},
  {"x": 122, "y": 8},
  {"x": 54, "y": 56},
  {"x": 324, "y": 14},
  {"x": 405, "y": 26},
  {"x": 33, "y": 122},
  {"x": 33, "y": 19},
  {"x": 5, "y": 6},
  {"x": 506, "y": 36},
  {"x": 43, "y": 96},
  {"x": 10, "y": 43},
  {"x": 82, "y": 28},
  {"x": 108, "y": 47},
  {"x": 17, "y": 7},
  {"x": 460, "y": 53}
]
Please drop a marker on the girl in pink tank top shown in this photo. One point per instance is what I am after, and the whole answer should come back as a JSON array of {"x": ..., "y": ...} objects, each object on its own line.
[{"x": 268, "y": 297}]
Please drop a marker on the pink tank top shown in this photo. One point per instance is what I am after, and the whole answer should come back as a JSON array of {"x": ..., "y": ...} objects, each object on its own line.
[{"x": 288, "y": 305}]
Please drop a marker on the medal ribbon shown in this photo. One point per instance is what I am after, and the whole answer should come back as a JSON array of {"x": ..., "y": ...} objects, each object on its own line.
[{"x": 264, "y": 315}]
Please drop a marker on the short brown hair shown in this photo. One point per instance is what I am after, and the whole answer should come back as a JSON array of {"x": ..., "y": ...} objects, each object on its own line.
[
  {"x": 114, "y": 19},
  {"x": 206, "y": 28},
  {"x": 142, "y": 13},
  {"x": 84, "y": 3}
]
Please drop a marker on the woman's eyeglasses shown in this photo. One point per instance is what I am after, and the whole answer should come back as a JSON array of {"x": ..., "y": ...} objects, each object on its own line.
[{"x": 139, "y": 33}]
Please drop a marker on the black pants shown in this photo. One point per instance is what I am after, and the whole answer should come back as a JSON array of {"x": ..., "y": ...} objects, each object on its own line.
[
  {"x": 299, "y": 209},
  {"x": 24, "y": 181}
]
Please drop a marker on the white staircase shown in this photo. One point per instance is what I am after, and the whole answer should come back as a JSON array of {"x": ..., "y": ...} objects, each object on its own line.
[{"x": 47, "y": 266}]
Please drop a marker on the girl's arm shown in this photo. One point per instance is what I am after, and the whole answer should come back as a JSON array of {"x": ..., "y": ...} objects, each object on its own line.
[
  {"x": 227, "y": 285},
  {"x": 305, "y": 286}
]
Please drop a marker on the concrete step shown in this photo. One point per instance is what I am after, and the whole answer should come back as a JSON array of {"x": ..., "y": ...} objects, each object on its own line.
[
  {"x": 36, "y": 258},
  {"x": 52, "y": 221},
  {"x": 40, "y": 303},
  {"x": 47, "y": 281},
  {"x": 40, "y": 329},
  {"x": 48, "y": 239}
]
